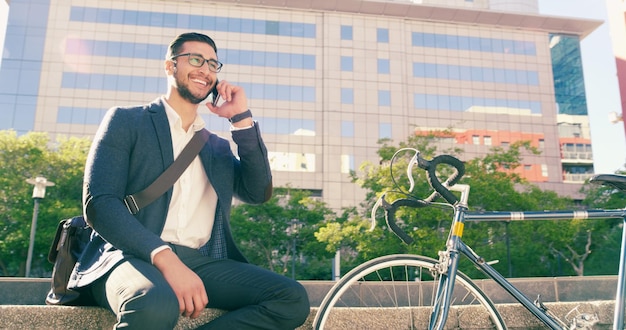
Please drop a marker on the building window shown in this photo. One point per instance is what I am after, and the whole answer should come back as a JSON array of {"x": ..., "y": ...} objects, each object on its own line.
[
  {"x": 383, "y": 66},
  {"x": 291, "y": 161},
  {"x": 384, "y": 98},
  {"x": 475, "y": 139},
  {"x": 569, "y": 86},
  {"x": 347, "y": 63},
  {"x": 346, "y": 32},
  {"x": 347, "y": 96},
  {"x": 478, "y": 44},
  {"x": 347, "y": 128},
  {"x": 384, "y": 131},
  {"x": 347, "y": 163},
  {"x": 466, "y": 103},
  {"x": 487, "y": 140},
  {"x": 192, "y": 22},
  {"x": 382, "y": 35},
  {"x": 475, "y": 73},
  {"x": 271, "y": 125},
  {"x": 80, "y": 116},
  {"x": 544, "y": 170}
]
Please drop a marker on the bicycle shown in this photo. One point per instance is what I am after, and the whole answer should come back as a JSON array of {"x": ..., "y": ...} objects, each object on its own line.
[{"x": 413, "y": 291}]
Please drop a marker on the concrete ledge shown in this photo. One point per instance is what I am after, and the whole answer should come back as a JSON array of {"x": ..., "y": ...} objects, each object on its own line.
[
  {"x": 465, "y": 317},
  {"x": 70, "y": 317},
  {"x": 22, "y": 306},
  {"x": 19, "y": 317},
  {"x": 32, "y": 291}
]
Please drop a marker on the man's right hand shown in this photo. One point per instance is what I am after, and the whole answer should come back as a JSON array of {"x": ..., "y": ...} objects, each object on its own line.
[{"x": 187, "y": 285}]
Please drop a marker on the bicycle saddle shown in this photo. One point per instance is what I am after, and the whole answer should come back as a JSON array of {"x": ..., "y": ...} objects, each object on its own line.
[{"x": 614, "y": 180}]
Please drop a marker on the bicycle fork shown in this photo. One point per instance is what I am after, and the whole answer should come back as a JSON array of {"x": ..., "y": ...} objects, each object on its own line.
[
  {"x": 446, "y": 269},
  {"x": 445, "y": 288}
]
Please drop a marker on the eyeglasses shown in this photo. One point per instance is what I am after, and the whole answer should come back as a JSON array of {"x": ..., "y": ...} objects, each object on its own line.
[{"x": 198, "y": 61}]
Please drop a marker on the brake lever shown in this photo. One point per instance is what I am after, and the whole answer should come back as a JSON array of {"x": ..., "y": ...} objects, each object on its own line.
[
  {"x": 378, "y": 203},
  {"x": 409, "y": 170}
]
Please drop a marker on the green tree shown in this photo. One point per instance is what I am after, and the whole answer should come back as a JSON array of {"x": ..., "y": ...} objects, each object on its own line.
[
  {"x": 604, "y": 257},
  {"x": 351, "y": 232},
  {"x": 524, "y": 248},
  {"x": 28, "y": 156},
  {"x": 271, "y": 232}
]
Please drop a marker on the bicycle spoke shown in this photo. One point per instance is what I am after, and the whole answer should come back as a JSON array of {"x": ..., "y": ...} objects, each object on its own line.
[{"x": 388, "y": 293}]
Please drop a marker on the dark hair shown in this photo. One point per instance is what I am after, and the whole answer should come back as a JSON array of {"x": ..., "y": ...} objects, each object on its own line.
[{"x": 178, "y": 42}]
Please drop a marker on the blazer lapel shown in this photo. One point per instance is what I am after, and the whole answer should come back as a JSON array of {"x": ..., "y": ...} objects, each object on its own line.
[
  {"x": 162, "y": 129},
  {"x": 163, "y": 135}
]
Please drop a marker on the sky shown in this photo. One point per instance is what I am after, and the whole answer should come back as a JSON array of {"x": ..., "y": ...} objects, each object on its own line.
[{"x": 608, "y": 140}]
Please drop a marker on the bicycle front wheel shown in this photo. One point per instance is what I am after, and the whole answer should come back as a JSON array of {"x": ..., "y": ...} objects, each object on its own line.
[{"x": 398, "y": 292}]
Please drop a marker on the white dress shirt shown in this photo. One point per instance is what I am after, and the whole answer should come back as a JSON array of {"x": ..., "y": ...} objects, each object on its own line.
[{"x": 192, "y": 209}]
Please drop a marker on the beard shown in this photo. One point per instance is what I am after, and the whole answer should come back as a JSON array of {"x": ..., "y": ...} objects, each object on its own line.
[{"x": 186, "y": 94}]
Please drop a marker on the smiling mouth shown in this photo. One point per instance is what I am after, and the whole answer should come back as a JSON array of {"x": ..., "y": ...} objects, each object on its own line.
[{"x": 198, "y": 81}]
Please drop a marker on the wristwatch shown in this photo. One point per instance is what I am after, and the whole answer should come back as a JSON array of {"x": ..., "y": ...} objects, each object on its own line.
[{"x": 240, "y": 116}]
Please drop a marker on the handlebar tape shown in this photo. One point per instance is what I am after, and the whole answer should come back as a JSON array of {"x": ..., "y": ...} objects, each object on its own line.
[
  {"x": 390, "y": 215},
  {"x": 454, "y": 178}
]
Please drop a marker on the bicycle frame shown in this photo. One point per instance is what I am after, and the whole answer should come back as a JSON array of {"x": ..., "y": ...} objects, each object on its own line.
[{"x": 450, "y": 257}]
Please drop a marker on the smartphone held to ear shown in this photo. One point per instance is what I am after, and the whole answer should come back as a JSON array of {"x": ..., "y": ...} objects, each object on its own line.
[{"x": 215, "y": 94}]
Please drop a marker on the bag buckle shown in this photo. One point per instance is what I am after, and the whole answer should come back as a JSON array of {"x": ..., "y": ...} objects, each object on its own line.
[{"x": 131, "y": 204}]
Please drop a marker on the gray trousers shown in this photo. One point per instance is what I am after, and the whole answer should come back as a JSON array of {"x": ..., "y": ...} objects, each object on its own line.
[{"x": 256, "y": 298}]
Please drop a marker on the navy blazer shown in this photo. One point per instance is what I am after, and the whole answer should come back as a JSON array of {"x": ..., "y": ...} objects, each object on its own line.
[{"x": 132, "y": 147}]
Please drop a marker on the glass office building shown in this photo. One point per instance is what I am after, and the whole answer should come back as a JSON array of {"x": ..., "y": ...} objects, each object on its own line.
[{"x": 326, "y": 79}]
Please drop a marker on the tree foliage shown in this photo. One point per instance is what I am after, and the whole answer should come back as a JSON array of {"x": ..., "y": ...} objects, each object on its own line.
[
  {"x": 266, "y": 236},
  {"x": 523, "y": 248},
  {"x": 604, "y": 257},
  {"x": 270, "y": 233},
  {"x": 29, "y": 156}
]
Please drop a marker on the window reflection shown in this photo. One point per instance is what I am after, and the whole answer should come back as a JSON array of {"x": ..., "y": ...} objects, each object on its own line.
[
  {"x": 291, "y": 161},
  {"x": 473, "y": 73},
  {"x": 347, "y": 128},
  {"x": 492, "y": 45},
  {"x": 346, "y": 32},
  {"x": 569, "y": 86},
  {"x": 475, "y": 104},
  {"x": 384, "y": 130},
  {"x": 347, "y": 163},
  {"x": 384, "y": 98},
  {"x": 382, "y": 35},
  {"x": 346, "y": 63},
  {"x": 192, "y": 22},
  {"x": 383, "y": 66},
  {"x": 347, "y": 96}
]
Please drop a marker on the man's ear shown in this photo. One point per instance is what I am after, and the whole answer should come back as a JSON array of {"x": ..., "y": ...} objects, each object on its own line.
[{"x": 170, "y": 67}]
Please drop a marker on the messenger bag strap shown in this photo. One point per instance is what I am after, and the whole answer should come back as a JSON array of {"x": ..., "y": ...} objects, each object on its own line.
[{"x": 141, "y": 199}]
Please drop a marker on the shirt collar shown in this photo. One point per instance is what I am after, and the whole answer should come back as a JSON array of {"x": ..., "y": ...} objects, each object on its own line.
[{"x": 174, "y": 119}]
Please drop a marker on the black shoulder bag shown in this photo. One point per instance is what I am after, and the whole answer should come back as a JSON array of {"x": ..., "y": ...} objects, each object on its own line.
[{"x": 73, "y": 234}]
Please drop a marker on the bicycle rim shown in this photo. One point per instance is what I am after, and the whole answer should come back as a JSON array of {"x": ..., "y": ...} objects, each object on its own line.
[{"x": 397, "y": 292}]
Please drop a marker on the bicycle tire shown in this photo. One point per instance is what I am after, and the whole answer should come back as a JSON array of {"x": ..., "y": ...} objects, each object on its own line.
[{"x": 368, "y": 297}]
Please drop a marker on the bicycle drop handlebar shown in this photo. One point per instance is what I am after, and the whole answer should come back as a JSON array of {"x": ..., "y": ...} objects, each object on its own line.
[
  {"x": 433, "y": 180},
  {"x": 441, "y": 189}
]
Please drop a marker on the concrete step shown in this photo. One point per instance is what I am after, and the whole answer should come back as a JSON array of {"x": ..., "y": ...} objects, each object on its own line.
[
  {"x": 22, "y": 306},
  {"x": 22, "y": 317},
  {"x": 32, "y": 291}
]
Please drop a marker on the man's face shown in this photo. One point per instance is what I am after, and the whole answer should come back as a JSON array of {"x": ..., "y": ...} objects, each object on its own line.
[{"x": 194, "y": 83}]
